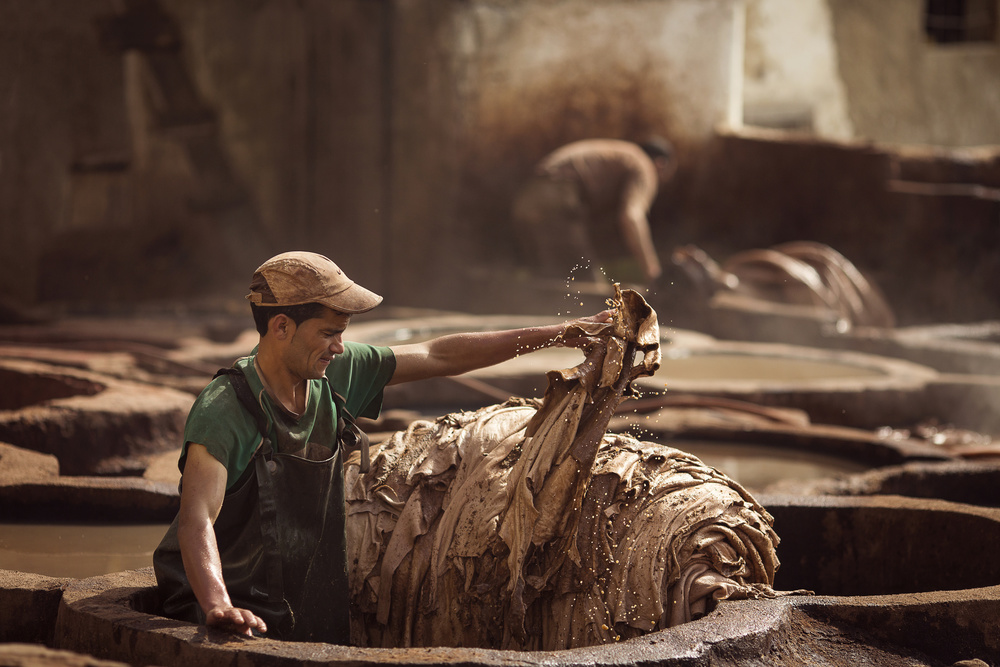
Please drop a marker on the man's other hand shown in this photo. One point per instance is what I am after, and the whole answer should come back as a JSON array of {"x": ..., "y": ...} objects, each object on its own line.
[{"x": 234, "y": 619}]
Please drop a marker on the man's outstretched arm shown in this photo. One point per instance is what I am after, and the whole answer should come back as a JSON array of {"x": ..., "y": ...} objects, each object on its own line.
[
  {"x": 459, "y": 353},
  {"x": 202, "y": 492}
]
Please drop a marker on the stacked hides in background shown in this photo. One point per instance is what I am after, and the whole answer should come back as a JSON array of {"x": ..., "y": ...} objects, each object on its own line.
[{"x": 526, "y": 526}]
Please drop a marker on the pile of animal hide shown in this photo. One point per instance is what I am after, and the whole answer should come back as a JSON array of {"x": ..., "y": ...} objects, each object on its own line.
[
  {"x": 798, "y": 272},
  {"x": 526, "y": 526}
]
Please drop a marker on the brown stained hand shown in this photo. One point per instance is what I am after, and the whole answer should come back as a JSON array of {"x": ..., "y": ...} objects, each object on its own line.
[
  {"x": 580, "y": 333},
  {"x": 601, "y": 317},
  {"x": 234, "y": 619}
]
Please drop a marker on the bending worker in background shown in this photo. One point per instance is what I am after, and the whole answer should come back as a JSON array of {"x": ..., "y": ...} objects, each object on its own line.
[
  {"x": 258, "y": 545},
  {"x": 588, "y": 202}
]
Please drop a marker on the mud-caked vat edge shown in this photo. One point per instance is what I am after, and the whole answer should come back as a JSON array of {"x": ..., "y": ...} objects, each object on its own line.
[
  {"x": 98, "y": 616},
  {"x": 28, "y": 605},
  {"x": 947, "y": 625}
]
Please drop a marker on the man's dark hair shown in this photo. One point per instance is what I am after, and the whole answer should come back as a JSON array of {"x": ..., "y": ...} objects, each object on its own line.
[
  {"x": 658, "y": 147},
  {"x": 298, "y": 314}
]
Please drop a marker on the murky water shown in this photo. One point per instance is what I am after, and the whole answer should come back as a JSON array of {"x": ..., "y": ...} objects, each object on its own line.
[
  {"x": 723, "y": 366},
  {"x": 79, "y": 551},
  {"x": 757, "y": 466},
  {"x": 678, "y": 363}
]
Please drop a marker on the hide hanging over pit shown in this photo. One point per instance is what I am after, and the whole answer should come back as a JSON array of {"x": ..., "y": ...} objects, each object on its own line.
[{"x": 525, "y": 525}]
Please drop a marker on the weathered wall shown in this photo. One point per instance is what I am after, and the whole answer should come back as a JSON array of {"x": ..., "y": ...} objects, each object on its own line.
[
  {"x": 167, "y": 155},
  {"x": 118, "y": 181},
  {"x": 850, "y": 68},
  {"x": 791, "y": 77},
  {"x": 63, "y": 134},
  {"x": 551, "y": 72},
  {"x": 163, "y": 148},
  {"x": 904, "y": 89},
  {"x": 298, "y": 89}
]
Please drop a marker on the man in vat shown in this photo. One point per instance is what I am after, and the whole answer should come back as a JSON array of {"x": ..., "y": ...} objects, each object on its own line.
[
  {"x": 589, "y": 200},
  {"x": 258, "y": 545}
]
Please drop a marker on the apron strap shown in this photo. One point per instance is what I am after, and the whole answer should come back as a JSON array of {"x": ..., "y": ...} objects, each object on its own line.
[
  {"x": 350, "y": 435},
  {"x": 243, "y": 392},
  {"x": 267, "y": 504}
]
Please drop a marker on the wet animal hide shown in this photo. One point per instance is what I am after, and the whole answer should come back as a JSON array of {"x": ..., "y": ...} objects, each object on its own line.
[
  {"x": 525, "y": 525},
  {"x": 798, "y": 272}
]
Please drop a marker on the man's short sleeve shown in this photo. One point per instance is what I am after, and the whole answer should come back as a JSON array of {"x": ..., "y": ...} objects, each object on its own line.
[
  {"x": 360, "y": 375},
  {"x": 220, "y": 423}
]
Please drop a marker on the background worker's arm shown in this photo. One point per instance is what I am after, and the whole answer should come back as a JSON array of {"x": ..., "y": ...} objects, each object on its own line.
[
  {"x": 459, "y": 353},
  {"x": 635, "y": 229},
  {"x": 202, "y": 492}
]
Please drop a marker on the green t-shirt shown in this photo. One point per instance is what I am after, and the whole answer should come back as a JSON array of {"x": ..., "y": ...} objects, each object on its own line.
[{"x": 219, "y": 422}]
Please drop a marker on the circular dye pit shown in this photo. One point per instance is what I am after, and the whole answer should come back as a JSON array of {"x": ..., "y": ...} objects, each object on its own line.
[
  {"x": 937, "y": 605},
  {"x": 77, "y": 550},
  {"x": 21, "y": 388},
  {"x": 883, "y": 545},
  {"x": 755, "y": 467},
  {"x": 747, "y": 366},
  {"x": 831, "y": 386},
  {"x": 709, "y": 366},
  {"x": 92, "y": 423}
]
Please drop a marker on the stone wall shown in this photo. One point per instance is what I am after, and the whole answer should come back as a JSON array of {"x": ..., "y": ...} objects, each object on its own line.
[
  {"x": 163, "y": 148},
  {"x": 64, "y": 130},
  {"x": 791, "y": 74},
  {"x": 164, "y": 151},
  {"x": 903, "y": 88}
]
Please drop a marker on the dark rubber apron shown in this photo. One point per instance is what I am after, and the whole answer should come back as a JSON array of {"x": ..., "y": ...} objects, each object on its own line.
[{"x": 281, "y": 540}]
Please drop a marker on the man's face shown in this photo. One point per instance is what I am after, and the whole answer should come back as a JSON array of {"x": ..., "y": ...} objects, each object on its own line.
[{"x": 315, "y": 343}]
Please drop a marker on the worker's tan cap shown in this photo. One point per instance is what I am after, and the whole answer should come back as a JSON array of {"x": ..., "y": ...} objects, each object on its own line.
[{"x": 298, "y": 277}]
